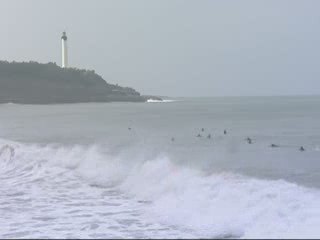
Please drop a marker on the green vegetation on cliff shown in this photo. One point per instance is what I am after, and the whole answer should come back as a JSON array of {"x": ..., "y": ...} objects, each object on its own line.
[{"x": 35, "y": 83}]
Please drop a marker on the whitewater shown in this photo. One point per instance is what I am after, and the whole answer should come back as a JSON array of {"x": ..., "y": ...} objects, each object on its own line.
[{"x": 112, "y": 170}]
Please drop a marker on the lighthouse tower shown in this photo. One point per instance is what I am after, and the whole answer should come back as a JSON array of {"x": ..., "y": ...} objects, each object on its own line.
[{"x": 64, "y": 50}]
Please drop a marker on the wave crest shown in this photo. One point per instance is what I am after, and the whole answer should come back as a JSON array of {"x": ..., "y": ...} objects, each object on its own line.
[
  {"x": 217, "y": 205},
  {"x": 160, "y": 101}
]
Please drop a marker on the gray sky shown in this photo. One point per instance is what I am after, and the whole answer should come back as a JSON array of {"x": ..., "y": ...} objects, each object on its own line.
[{"x": 174, "y": 47}]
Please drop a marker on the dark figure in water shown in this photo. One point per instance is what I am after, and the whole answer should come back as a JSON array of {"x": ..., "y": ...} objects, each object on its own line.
[
  {"x": 249, "y": 140},
  {"x": 172, "y": 139},
  {"x": 274, "y": 145},
  {"x": 301, "y": 149},
  {"x": 225, "y": 132},
  {"x": 9, "y": 148},
  {"x": 129, "y": 128},
  {"x": 209, "y": 136},
  {"x": 199, "y": 135},
  {"x": 202, "y": 129}
]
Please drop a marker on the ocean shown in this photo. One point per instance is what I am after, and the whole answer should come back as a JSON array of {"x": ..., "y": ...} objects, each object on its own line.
[{"x": 161, "y": 169}]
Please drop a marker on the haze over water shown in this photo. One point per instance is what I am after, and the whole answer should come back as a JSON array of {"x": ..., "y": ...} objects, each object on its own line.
[{"x": 77, "y": 170}]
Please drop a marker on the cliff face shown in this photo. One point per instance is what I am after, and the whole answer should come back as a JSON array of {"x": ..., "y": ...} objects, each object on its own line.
[{"x": 35, "y": 83}]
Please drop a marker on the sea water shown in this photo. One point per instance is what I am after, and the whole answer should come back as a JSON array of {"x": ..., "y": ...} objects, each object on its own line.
[{"x": 139, "y": 170}]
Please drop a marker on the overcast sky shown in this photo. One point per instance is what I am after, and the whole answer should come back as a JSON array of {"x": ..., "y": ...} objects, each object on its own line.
[{"x": 174, "y": 47}]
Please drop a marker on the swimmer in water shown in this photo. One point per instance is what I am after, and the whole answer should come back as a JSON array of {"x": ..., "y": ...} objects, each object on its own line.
[
  {"x": 302, "y": 149},
  {"x": 11, "y": 149},
  {"x": 249, "y": 140},
  {"x": 199, "y": 135},
  {"x": 209, "y": 136},
  {"x": 129, "y": 128},
  {"x": 225, "y": 132},
  {"x": 172, "y": 139},
  {"x": 274, "y": 145},
  {"x": 202, "y": 129}
]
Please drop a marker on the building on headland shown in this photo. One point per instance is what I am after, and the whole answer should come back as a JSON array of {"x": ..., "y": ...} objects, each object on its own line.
[{"x": 64, "y": 50}]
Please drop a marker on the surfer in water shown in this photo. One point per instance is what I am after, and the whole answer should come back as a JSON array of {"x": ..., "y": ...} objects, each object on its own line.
[
  {"x": 199, "y": 135},
  {"x": 249, "y": 140},
  {"x": 301, "y": 149},
  {"x": 274, "y": 145},
  {"x": 8, "y": 147},
  {"x": 202, "y": 129},
  {"x": 225, "y": 132}
]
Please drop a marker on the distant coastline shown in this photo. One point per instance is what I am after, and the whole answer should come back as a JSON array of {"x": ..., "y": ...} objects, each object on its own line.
[{"x": 37, "y": 83}]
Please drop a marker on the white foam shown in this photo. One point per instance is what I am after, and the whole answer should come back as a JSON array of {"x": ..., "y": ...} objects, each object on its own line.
[
  {"x": 8, "y": 104},
  {"x": 160, "y": 101},
  {"x": 181, "y": 198},
  {"x": 51, "y": 191},
  {"x": 226, "y": 204}
]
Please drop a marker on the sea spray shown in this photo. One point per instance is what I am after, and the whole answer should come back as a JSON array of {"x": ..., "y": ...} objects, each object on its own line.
[{"x": 176, "y": 196}]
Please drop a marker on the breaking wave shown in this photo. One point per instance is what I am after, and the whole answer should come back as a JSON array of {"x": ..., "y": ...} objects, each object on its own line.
[
  {"x": 199, "y": 204},
  {"x": 160, "y": 101}
]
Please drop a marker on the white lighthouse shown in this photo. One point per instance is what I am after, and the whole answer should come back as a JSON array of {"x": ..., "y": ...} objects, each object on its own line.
[{"x": 64, "y": 50}]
